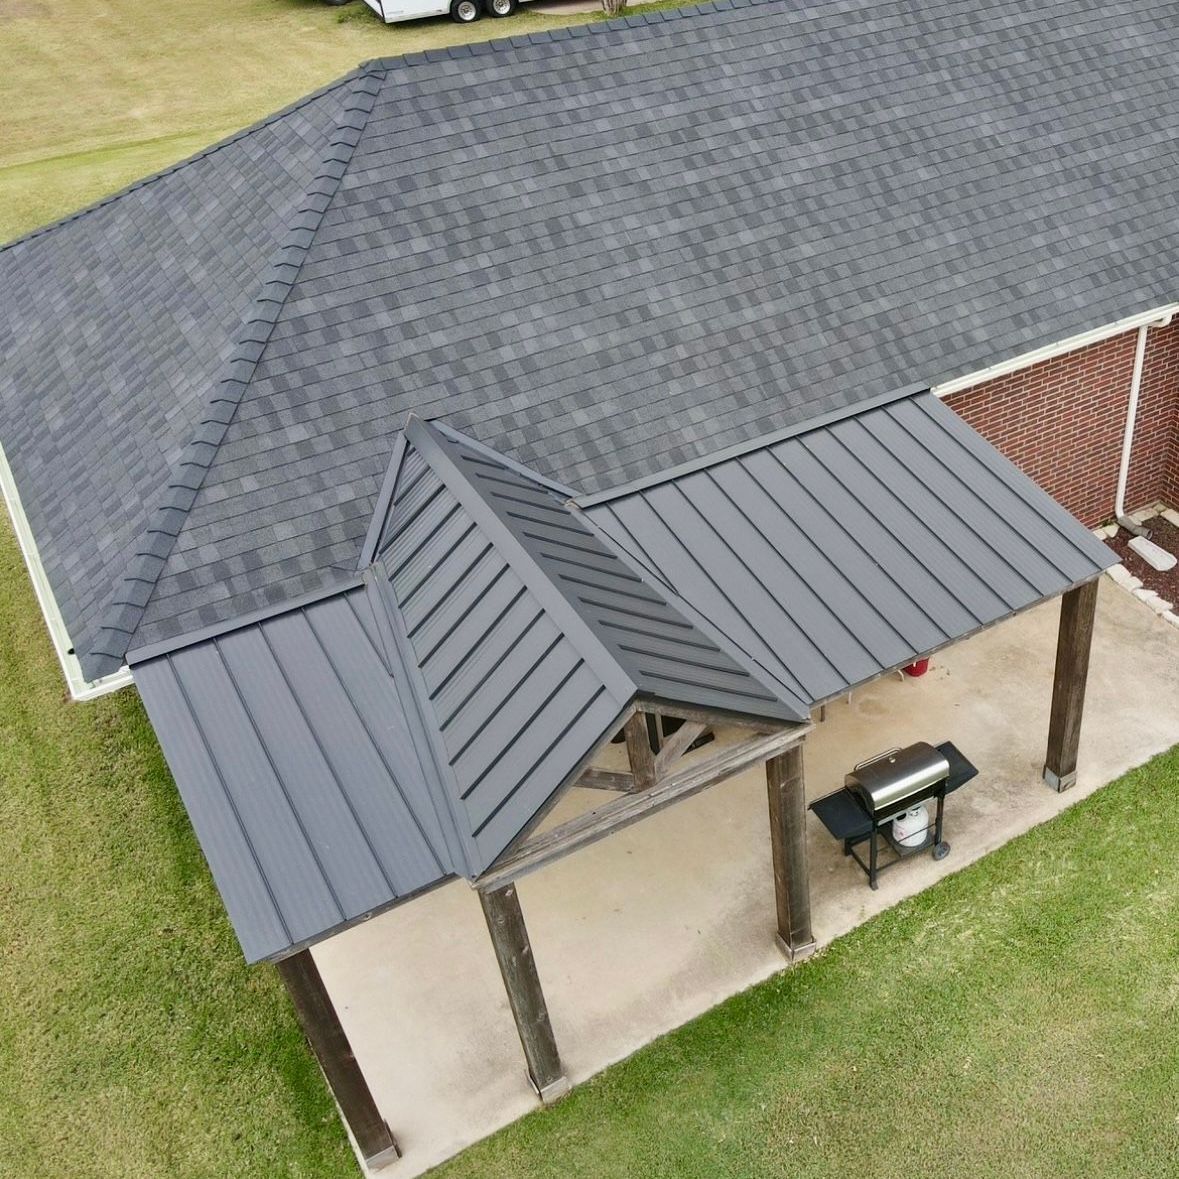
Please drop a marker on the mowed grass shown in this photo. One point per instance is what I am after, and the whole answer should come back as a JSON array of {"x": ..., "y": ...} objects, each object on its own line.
[
  {"x": 94, "y": 97},
  {"x": 134, "y": 1040}
]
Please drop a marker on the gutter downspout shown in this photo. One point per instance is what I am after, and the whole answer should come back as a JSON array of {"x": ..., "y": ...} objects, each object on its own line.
[{"x": 1123, "y": 520}]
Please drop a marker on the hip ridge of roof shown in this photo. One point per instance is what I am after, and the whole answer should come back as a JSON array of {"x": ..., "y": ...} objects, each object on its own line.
[{"x": 135, "y": 589}]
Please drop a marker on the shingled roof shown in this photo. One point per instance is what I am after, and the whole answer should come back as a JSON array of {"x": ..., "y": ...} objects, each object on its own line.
[{"x": 604, "y": 251}]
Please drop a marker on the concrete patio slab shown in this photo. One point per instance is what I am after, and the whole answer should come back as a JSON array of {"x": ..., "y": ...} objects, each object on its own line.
[{"x": 652, "y": 926}]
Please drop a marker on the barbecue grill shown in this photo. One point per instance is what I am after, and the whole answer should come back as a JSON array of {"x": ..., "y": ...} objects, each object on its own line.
[{"x": 885, "y": 786}]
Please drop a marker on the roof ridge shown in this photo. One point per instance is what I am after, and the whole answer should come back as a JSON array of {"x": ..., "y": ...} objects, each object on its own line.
[
  {"x": 436, "y": 452},
  {"x": 560, "y": 35},
  {"x": 671, "y": 597},
  {"x": 135, "y": 589},
  {"x": 151, "y": 178}
]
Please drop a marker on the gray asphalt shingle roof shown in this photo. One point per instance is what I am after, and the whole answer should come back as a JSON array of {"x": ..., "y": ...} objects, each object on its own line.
[
  {"x": 603, "y": 251},
  {"x": 116, "y": 327}
]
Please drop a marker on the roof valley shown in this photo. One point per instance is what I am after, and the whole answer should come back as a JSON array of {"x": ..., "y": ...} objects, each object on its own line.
[{"x": 138, "y": 584}]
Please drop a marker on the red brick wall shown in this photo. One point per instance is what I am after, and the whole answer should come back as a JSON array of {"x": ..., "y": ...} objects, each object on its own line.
[{"x": 1062, "y": 421}]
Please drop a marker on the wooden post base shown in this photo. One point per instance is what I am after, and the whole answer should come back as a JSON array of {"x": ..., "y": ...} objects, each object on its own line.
[
  {"x": 383, "y": 1158},
  {"x": 553, "y": 1091},
  {"x": 796, "y": 953},
  {"x": 1060, "y": 784}
]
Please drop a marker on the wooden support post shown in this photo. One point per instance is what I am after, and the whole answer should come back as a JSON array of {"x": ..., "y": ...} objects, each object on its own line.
[
  {"x": 638, "y": 749},
  {"x": 786, "y": 787},
  {"x": 322, "y": 1028},
  {"x": 509, "y": 936},
  {"x": 1077, "y": 610}
]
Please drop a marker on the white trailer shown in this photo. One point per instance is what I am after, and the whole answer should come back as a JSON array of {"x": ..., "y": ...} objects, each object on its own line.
[{"x": 463, "y": 11}]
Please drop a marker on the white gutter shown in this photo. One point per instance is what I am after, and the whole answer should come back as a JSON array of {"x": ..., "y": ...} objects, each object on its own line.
[
  {"x": 1144, "y": 318},
  {"x": 80, "y": 687},
  {"x": 1128, "y": 435}
]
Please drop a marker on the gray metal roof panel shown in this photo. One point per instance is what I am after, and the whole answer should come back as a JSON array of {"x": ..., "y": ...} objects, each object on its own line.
[
  {"x": 665, "y": 649},
  {"x": 527, "y": 634},
  {"x": 846, "y": 550},
  {"x": 291, "y": 749}
]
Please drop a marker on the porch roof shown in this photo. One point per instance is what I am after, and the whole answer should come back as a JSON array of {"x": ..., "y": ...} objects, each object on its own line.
[
  {"x": 846, "y": 547},
  {"x": 342, "y": 756}
]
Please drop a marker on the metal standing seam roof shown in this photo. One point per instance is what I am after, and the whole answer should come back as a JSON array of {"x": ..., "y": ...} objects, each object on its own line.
[
  {"x": 295, "y": 756},
  {"x": 603, "y": 251},
  {"x": 343, "y": 756},
  {"x": 844, "y": 550},
  {"x": 340, "y": 757},
  {"x": 528, "y": 635}
]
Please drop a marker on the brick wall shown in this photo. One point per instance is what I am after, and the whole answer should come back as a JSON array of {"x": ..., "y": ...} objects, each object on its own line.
[{"x": 1062, "y": 421}]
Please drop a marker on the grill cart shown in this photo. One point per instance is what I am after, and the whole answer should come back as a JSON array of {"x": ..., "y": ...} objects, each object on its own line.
[{"x": 895, "y": 785}]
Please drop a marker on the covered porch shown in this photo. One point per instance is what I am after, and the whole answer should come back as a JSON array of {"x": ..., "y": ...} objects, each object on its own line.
[{"x": 640, "y": 932}]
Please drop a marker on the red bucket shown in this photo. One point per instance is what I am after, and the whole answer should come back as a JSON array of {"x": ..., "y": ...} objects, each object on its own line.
[{"x": 920, "y": 667}]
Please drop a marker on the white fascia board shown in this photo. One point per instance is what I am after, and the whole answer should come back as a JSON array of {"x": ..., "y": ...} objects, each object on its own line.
[
  {"x": 80, "y": 687},
  {"x": 1027, "y": 359}
]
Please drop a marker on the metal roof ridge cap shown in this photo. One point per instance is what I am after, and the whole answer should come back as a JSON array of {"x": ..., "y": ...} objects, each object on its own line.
[
  {"x": 383, "y": 504},
  {"x": 216, "y": 630},
  {"x": 738, "y": 449},
  {"x": 145, "y": 564},
  {"x": 512, "y": 465},
  {"x": 426, "y": 738},
  {"x": 575, "y": 628}
]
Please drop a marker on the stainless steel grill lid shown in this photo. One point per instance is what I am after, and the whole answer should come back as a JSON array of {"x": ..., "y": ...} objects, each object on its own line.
[{"x": 887, "y": 781}]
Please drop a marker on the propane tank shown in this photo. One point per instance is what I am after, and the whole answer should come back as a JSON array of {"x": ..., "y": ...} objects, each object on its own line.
[{"x": 911, "y": 827}]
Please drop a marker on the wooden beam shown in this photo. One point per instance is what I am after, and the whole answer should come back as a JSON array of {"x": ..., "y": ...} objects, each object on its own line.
[
  {"x": 675, "y": 746},
  {"x": 786, "y": 787},
  {"x": 1074, "y": 640},
  {"x": 595, "y": 779},
  {"x": 712, "y": 716},
  {"x": 513, "y": 951},
  {"x": 638, "y": 749},
  {"x": 621, "y": 812},
  {"x": 321, "y": 1026}
]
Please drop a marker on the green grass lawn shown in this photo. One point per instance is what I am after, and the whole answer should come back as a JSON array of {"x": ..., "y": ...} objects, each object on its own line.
[
  {"x": 95, "y": 97},
  {"x": 1019, "y": 1019}
]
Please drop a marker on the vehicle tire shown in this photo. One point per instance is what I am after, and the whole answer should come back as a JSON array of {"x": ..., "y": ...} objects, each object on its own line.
[
  {"x": 336, "y": 3},
  {"x": 501, "y": 8},
  {"x": 465, "y": 12}
]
